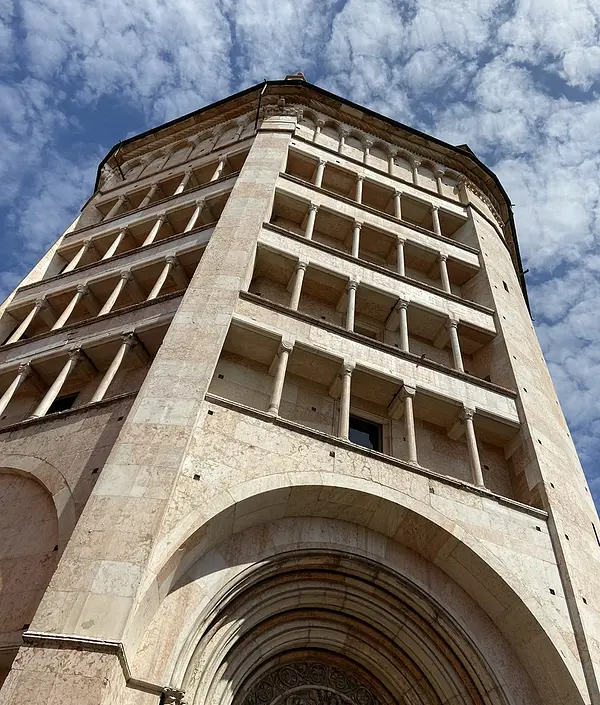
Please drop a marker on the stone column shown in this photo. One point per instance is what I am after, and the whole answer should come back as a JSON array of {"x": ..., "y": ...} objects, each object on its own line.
[
  {"x": 443, "y": 262},
  {"x": 367, "y": 151},
  {"x": 344, "y": 419},
  {"x": 219, "y": 170},
  {"x": 435, "y": 214},
  {"x": 408, "y": 395},
  {"x": 398, "y": 205},
  {"x": 149, "y": 196},
  {"x": 439, "y": 175},
  {"x": 403, "y": 325},
  {"x": 115, "y": 244},
  {"x": 238, "y": 133},
  {"x": 75, "y": 356},
  {"x": 129, "y": 340},
  {"x": 120, "y": 202},
  {"x": 191, "y": 224},
  {"x": 318, "y": 180},
  {"x": 415, "y": 171},
  {"x": 124, "y": 277},
  {"x": 342, "y": 142},
  {"x": 400, "y": 268},
  {"x": 155, "y": 229},
  {"x": 310, "y": 221},
  {"x": 184, "y": 182},
  {"x": 359, "y": 189},
  {"x": 351, "y": 304},
  {"x": 171, "y": 267},
  {"x": 466, "y": 417},
  {"x": 297, "y": 285},
  {"x": 452, "y": 326},
  {"x": 40, "y": 304},
  {"x": 318, "y": 128},
  {"x": 391, "y": 163},
  {"x": 193, "y": 140},
  {"x": 283, "y": 354},
  {"x": 80, "y": 292},
  {"x": 356, "y": 238},
  {"x": 85, "y": 246},
  {"x": 23, "y": 371}
]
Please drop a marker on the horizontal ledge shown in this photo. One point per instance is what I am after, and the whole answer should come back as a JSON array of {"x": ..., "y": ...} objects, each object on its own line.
[
  {"x": 90, "y": 321},
  {"x": 136, "y": 211},
  {"x": 475, "y": 207},
  {"x": 380, "y": 172},
  {"x": 377, "y": 268},
  {"x": 116, "y": 258},
  {"x": 378, "y": 213},
  {"x": 200, "y": 159},
  {"x": 57, "y": 415},
  {"x": 364, "y": 340},
  {"x": 390, "y": 460}
]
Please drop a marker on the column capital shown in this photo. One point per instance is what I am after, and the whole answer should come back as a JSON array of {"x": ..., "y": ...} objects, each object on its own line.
[
  {"x": 401, "y": 303},
  {"x": 76, "y": 354},
  {"x": 122, "y": 198},
  {"x": 313, "y": 207},
  {"x": 397, "y": 193},
  {"x": 320, "y": 123},
  {"x": 369, "y": 143},
  {"x": 357, "y": 225},
  {"x": 352, "y": 284},
  {"x": 25, "y": 368},
  {"x": 442, "y": 257},
  {"x": 466, "y": 414},
  {"x": 41, "y": 302},
  {"x": 301, "y": 264},
  {"x": 162, "y": 217},
  {"x": 322, "y": 162},
  {"x": 434, "y": 207},
  {"x": 285, "y": 345},
  {"x": 172, "y": 260},
  {"x": 416, "y": 163},
  {"x": 130, "y": 338},
  {"x": 126, "y": 274},
  {"x": 347, "y": 369},
  {"x": 360, "y": 177},
  {"x": 400, "y": 240},
  {"x": 83, "y": 289},
  {"x": 407, "y": 391},
  {"x": 344, "y": 132},
  {"x": 200, "y": 202},
  {"x": 452, "y": 323},
  {"x": 393, "y": 153},
  {"x": 87, "y": 243}
]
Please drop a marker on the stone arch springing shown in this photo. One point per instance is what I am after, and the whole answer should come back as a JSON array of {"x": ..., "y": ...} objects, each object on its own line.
[{"x": 428, "y": 536}]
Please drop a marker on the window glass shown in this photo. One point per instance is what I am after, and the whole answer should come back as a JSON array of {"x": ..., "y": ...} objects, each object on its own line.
[{"x": 365, "y": 433}]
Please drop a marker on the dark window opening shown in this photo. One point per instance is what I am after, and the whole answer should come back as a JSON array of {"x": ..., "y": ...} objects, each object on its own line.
[
  {"x": 367, "y": 332},
  {"x": 62, "y": 403},
  {"x": 505, "y": 286},
  {"x": 365, "y": 433}
]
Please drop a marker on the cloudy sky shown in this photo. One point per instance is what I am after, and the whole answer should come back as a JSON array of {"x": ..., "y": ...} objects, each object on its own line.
[{"x": 518, "y": 80}]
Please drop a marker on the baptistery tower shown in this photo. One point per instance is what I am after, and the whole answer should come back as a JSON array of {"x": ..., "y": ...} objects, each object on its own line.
[{"x": 276, "y": 429}]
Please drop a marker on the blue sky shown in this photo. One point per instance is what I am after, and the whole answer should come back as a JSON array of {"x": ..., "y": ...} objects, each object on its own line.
[{"x": 517, "y": 80}]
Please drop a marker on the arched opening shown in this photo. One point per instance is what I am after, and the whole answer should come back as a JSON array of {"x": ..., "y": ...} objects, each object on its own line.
[
  {"x": 29, "y": 540},
  {"x": 243, "y": 584}
]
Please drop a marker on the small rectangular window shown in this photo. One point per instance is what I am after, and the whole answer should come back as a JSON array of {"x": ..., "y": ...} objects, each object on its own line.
[
  {"x": 505, "y": 286},
  {"x": 62, "y": 403},
  {"x": 367, "y": 434}
]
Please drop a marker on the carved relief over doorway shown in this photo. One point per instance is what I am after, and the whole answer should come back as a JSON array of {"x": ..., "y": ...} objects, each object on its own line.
[{"x": 309, "y": 683}]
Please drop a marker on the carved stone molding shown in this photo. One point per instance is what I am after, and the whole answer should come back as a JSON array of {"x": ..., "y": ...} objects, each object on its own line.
[{"x": 310, "y": 683}]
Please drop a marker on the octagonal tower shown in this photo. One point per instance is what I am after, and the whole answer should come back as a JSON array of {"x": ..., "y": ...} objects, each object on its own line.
[{"x": 276, "y": 428}]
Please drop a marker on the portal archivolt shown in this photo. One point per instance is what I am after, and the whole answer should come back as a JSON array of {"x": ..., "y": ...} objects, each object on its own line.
[{"x": 330, "y": 628}]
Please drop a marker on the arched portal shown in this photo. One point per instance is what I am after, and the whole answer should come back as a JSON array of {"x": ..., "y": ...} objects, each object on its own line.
[{"x": 330, "y": 627}]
